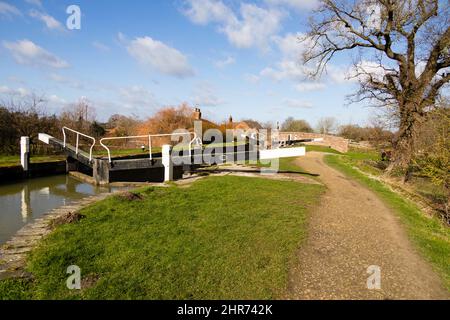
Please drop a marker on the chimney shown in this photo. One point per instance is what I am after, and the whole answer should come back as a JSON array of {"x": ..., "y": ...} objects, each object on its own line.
[
  {"x": 197, "y": 114},
  {"x": 230, "y": 119}
]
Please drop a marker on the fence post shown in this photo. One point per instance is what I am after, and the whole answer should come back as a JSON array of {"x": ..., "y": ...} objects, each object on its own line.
[
  {"x": 25, "y": 152},
  {"x": 167, "y": 162}
]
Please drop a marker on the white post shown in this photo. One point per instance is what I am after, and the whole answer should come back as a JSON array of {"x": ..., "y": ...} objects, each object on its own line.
[
  {"x": 24, "y": 152},
  {"x": 167, "y": 162}
]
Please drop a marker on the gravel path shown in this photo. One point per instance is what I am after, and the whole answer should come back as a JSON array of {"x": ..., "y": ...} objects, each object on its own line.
[{"x": 350, "y": 231}]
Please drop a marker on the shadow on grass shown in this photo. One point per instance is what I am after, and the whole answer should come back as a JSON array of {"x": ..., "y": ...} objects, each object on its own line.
[{"x": 221, "y": 170}]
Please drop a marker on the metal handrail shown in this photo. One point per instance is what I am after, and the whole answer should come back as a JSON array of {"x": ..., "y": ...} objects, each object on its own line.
[
  {"x": 195, "y": 139},
  {"x": 78, "y": 140}
]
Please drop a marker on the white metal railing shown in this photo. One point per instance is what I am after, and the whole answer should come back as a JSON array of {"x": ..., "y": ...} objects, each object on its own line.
[
  {"x": 149, "y": 137},
  {"x": 78, "y": 140}
]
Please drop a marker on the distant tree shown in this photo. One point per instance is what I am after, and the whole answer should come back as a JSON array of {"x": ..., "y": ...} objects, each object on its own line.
[
  {"x": 293, "y": 125},
  {"x": 8, "y": 132},
  {"x": 168, "y": 119},
  {"x": 375, "y": 133},
  {"x": 326, "y": 125},
  {"x": 378, "y": 134},
  {"x": 24, "y": 116},
  {"x": 352, "y": 132},
  {"x": 97, "y": 130},
  {"x": 268, "y": 125},
  {"x": 79, "y": 116},
  {"x": 120, "y": 126}
]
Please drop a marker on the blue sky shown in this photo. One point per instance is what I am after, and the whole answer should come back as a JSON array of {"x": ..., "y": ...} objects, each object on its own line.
[{"x": 238, "y": 58}]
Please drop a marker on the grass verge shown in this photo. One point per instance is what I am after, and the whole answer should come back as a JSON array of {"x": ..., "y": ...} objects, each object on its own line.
[
  {"x": 222, "y": 238},
  {"x": 310, "y": 148},
  {"x": 10, "y": 161},
  {"x": 430, "y": 235}
]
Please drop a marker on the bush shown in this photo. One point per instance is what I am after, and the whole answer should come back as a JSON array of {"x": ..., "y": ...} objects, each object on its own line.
[{"x": 433, "y": 151}]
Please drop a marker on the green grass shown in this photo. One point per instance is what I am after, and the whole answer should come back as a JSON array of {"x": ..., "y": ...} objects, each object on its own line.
[
  {"x": 284, "y": 165},
  {"x": 430, "y": 235},
  {"x": 310, "y": 148},
  {"x": 359, "y": 154},
  {"x": 364, "y": 160},
  {"x": 288, "y": 164},
  {"x": 369, "y": 162},
  {"x": 222, "y": 238},
  {"x": 10, "y": 161},
  {"x": 125, "y": 152},
  {"x": 15, "y": 289}
]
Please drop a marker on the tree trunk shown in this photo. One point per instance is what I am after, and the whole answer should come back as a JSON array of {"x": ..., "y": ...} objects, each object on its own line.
[{"x": 404, "y": 142}]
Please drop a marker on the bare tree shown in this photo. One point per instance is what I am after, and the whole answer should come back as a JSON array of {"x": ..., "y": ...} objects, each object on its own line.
[
  {"x": 24, "y": 115},
  {"x": 79, "y": 116},
  {"x": 327, "y": 125},
  {"x": 402, "y": 56},
  {"x": 269, "y": 125},
  {"x": 294, "y": 125}
]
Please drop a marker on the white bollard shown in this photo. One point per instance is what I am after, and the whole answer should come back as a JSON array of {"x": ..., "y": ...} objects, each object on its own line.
[
  {"x": 25, "y": 152},
  {"x": 167, "y": 162}
]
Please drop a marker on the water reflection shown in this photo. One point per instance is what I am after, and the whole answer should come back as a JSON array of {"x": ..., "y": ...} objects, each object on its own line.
[
  {"x": 22, "y": 202},
  {"x": 25, "y": 204}
]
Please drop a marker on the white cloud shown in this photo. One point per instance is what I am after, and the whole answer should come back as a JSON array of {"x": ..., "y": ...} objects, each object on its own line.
[
  {"x": 50, "y": 22},
  {"x": 8, "y": 10},
  {"x": 299, "y": 5},
  {"x": 65, "y": 81},
  {"x": 289, "y": 67},
  {"x": 28, "y": 53},
  {"x": 374, "y": 20},
  {"x": 21, "y": 92},
  {"x": 204, "y": 95},
  {"x": 298, "y": 104},
  {"x": 100, "y": 46},
  {"x": 54, "y": 99},
  {"x": 290, "y": 45},
  {"x": 339, "y": 74},
  {"x": 310, "y": 86},
  {"x": 121, "y": 38},
  {"x": 137, "y": 97},
  {"x": 160, "y": 57},
  {"x": 254, "y": 27},
  {"x": 286, "y": 70},
  {"x": 361, "y": 72},
  {"x": 24, "y": 93},
  {"x": 252, "y": 78},
  {"x": 225, "y": 62},
  {"x": 206, "y": 11}
]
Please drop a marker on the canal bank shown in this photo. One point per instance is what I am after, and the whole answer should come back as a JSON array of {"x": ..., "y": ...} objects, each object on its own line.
[
  {"x": 35, "y": 170},
  {"x": 24, "y": 201},
  {"x": 13, "y": 253}
]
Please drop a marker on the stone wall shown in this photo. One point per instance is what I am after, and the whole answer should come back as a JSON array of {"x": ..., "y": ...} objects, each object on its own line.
[{"x": 336, "y": 143}]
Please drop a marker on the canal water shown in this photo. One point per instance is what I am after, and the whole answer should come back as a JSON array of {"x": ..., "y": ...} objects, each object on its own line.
[{"x": 24, "y": 201}]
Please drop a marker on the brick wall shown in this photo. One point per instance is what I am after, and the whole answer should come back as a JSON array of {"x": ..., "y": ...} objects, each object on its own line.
[{"x": 336, "y": 143}]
